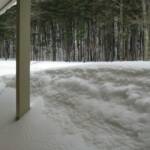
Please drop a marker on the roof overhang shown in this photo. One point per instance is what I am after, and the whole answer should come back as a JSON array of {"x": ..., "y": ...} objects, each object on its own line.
[{"x": 5, "y": 5}]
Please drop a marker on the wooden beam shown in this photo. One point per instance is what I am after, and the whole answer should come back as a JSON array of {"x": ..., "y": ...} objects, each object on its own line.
[{"x": 23, "y": 58}]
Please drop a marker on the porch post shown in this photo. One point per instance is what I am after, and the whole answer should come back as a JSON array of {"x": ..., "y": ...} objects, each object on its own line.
[{"x": 23, "y": 58}]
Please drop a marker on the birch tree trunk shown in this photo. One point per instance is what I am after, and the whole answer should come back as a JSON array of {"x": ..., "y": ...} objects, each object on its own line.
[
  {"x": 116, "y": 38},
  {"x": 121, "y": 31}
]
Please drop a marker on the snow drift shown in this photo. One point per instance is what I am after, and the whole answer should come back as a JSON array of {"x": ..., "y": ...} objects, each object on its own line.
[{"x": 82, "y": 106}]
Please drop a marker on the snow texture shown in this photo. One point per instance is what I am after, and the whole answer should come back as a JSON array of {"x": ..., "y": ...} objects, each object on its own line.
[{"x": 78, "y": 106}]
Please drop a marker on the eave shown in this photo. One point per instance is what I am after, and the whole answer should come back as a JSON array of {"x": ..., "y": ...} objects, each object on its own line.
[{"x": 5, "y": 5}]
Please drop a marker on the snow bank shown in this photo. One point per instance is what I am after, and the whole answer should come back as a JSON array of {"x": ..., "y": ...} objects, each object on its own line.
[
  {"x": 81, "y": 106},
  {"x": 8, "y": 67}
]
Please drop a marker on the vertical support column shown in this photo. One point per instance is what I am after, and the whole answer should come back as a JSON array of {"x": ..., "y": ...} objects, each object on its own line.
[
  {"x": 146, "y": 33},
  {"x": 23, "y": 58}
]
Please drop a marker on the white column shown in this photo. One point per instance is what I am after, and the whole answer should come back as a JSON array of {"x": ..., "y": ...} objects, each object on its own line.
[{"x": 23, "y": 58}]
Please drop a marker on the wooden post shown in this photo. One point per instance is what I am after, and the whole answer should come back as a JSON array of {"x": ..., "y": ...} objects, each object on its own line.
[
  {"x": 146, "y": 33},
  {"x": 23, "y": 58}
]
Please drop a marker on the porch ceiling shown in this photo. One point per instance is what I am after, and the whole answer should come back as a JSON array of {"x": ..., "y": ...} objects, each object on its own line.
[{"x": 6, "y": 4}]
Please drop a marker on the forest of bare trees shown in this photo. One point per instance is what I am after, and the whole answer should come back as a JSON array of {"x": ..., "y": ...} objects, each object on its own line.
[{"x": 87, "y": 30}]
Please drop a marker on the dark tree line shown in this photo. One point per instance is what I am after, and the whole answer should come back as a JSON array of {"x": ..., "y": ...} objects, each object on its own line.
[{"x": 83, "y": 30}]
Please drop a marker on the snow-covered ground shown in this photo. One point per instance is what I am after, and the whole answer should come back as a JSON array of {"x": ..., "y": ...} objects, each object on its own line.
[{"x": 78, "y": 106}]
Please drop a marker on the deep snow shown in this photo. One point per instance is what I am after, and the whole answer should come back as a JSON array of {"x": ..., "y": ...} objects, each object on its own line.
[{"x": 78, "y": 106}]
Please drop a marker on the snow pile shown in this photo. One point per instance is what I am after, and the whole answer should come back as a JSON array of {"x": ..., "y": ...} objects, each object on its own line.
[{"x": 84, "y": 106}]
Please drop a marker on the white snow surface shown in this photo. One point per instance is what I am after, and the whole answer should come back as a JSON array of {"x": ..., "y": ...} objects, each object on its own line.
[{"x": 78, "y": 106}]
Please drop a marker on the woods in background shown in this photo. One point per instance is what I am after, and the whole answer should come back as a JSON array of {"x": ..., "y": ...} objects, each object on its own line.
[{"x": 83, "y": 30}]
